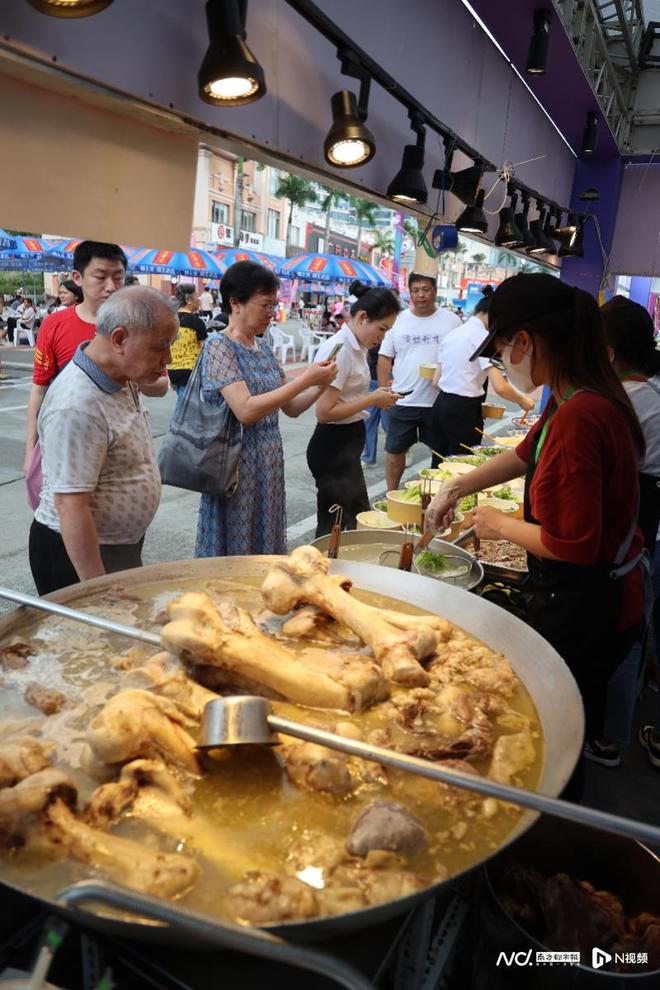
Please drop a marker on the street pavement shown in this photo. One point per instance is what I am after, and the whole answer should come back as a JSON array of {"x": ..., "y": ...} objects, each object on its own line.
[{"x": 171, "y": 535}]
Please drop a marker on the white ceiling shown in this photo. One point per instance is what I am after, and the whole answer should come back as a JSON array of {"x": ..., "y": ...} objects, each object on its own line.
[{"x": 651, "y": 10}]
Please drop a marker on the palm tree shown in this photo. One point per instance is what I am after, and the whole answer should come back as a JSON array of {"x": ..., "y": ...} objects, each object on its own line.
[
  {"x": 298, "y": 191},
  {"x": 478, "y": 258},
  {"x": 384, "y": 243},
  {"x": 331, "y": 197},
  {"x": 364, "y": 210}
]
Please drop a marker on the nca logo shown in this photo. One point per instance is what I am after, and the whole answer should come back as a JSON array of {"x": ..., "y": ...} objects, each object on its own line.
[
  {"x": 515, "y": 958},
  {"x": 599, "y": 958}
]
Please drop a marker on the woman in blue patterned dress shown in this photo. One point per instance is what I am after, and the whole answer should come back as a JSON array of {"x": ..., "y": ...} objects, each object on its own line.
[{"x": 240, "y": 369}]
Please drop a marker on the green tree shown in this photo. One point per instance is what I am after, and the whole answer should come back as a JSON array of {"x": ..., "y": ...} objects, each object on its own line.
[
  {"x": 478, "y": 258},
  {"x": 331, "y": 197},
  {"x": 384, "y": 243},
  {"x": 298, "y": 191},
  {"x": 364, "y": 212}
]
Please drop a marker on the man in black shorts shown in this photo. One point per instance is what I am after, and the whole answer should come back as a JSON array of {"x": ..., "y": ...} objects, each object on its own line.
[{"x": 413, "y": 340}]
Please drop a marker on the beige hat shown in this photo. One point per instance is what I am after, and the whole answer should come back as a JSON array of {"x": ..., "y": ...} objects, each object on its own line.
[{"x": 425, "y": 264}]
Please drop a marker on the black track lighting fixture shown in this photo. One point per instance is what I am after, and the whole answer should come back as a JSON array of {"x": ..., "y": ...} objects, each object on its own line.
[
  {"x": 520, "y": 219},
  {"x": 572, "y": 246},
  {"x": 569, "y": 228},
  {"x": 539, "y": 45},
  {"x": 349, "y": 142},
  {"x": 473, "y": 219},
  {"x": 230, "y": 75},
  {"x": 463, "y": 184},
  {"x": 508, "y": 234},
  {"x": 408, "y": 185},
  {"x": 542, "y": 244},
  {"x": 69, "y": 8},
  {"x": 590, "y": 133}
]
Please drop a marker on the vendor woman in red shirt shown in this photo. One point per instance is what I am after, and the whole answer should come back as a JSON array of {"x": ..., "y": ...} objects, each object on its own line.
[{"x": 580, "y": 464}]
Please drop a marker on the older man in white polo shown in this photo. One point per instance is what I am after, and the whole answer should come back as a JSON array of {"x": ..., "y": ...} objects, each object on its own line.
[{"x": 101, "y": 484}]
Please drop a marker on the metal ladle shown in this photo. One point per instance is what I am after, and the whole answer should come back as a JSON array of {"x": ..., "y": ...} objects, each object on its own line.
[
  {"x": 246, "y": 720},
  {"x": 227, "y": 725}
]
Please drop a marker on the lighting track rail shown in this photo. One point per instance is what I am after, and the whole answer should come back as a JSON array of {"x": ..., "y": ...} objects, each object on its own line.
[{"x": 310, "y": 12}]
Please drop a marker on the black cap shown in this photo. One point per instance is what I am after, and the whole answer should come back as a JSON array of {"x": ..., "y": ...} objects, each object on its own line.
[{"x": 520, "y": 301}]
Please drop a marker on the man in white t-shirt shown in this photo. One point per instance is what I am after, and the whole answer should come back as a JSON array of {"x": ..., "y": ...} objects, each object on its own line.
[
  {"x": 413, "y": 340},
  {"x": 206, "y": 302}
]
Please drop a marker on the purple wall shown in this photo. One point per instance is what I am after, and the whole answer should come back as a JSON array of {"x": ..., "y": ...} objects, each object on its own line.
[
  {"x": 153, "y": 50},
  {"x": 636, "y": 245},
  {"x": 586, "y": 272},
  {"x": 640, "y": 290}
]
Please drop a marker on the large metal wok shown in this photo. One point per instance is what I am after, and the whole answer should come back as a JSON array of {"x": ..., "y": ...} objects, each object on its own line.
[{"x": 543, "y": 672}]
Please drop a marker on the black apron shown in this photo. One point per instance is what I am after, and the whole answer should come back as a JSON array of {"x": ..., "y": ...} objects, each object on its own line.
[{"x": 576, "y": 607}]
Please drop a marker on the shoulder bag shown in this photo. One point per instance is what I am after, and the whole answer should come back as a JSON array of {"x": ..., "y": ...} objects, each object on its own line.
[{"x": 202, "y": 448}]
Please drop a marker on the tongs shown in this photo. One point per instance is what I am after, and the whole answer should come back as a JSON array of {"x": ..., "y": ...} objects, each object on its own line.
[
  {"x": 335, "y": 532},
  {"x": 237, "y": 720}
]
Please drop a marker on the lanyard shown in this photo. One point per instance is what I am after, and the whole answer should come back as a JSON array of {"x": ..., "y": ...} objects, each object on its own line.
[{"x": 546, "y": 426}]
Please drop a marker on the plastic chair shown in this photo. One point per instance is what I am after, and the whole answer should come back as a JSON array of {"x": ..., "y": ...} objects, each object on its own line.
[
  {"x": 25, "y": 328},
  {"x": 310, "y": 344},
  {"x": 282, "y": 342}
]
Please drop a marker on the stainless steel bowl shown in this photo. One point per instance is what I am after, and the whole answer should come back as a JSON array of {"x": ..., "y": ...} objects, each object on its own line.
[{"x": 378, "y": 539}]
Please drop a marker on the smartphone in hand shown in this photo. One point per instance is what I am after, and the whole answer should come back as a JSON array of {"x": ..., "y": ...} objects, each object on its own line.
[
  {"x": 403, "y": 394},
  {"x": 335, "y": 350}
]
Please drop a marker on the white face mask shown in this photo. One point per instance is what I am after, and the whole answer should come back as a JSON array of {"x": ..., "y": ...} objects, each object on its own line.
[{"x": 520, "y": 375}]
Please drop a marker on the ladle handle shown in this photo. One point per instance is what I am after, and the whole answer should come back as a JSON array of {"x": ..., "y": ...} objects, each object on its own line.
[
  {"x": 70, "y": 613},
  {"x": 482, "y": 785}
]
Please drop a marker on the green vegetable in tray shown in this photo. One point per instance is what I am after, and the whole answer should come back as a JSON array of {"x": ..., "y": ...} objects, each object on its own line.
[
  {"x": 491, "y": 451},
  {"x": 437, "y": 473},
  {"x": 474, "y": 459},
  {"x": 433, "y": 562},
  {"x": 505, "y": 493},
  {"x": 468, "y": 503},
  {"x": 412, "y": 494}
]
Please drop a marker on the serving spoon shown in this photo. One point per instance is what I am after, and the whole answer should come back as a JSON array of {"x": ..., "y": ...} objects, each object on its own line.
[
  {"x": 246, "y": 720},
  {"x": 226, "y": 724}
]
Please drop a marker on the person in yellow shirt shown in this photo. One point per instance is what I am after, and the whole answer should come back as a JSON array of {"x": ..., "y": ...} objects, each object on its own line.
[{"x": 192, "y": 334}]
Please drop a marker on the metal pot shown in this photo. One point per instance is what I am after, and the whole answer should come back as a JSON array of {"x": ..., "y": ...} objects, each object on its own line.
[
  {"x": 623, "y": 867},
  {"x": 378, "y": 538},
  {"x": 542, "y": 670}
]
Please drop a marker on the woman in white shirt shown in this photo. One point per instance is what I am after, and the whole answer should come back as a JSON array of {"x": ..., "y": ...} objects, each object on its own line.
[
  {"x": 333, "y": 453},
  {"x": 457, "y": 411}
]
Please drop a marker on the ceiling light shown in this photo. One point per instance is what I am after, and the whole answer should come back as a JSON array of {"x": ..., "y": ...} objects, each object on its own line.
[
  {"x": 230, "y": 75},
  {"x": 464, "y": 184},
  {"x": 473, "y": 219},
  {"x": 408, "y": 185},
  {"x": 528, "y": 240},
  {"x": 349, "y": 142},
  {"x": 569, "y": 228},
  {"x": 69, "y": 8},
  {"x": 508, "y": 234},
  {"x": 537, "y": 229},
  {"x": 575, "y": 246},
  {"x": 539, "y": 45},
  {"x": 590, "y": 134}
]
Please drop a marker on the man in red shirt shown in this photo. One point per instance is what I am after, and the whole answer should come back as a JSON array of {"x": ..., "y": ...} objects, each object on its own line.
[{"x": 99, "y": 269}]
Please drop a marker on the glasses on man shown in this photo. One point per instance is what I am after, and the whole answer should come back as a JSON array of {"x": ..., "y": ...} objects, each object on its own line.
[{"x": 266, "y": 307}]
